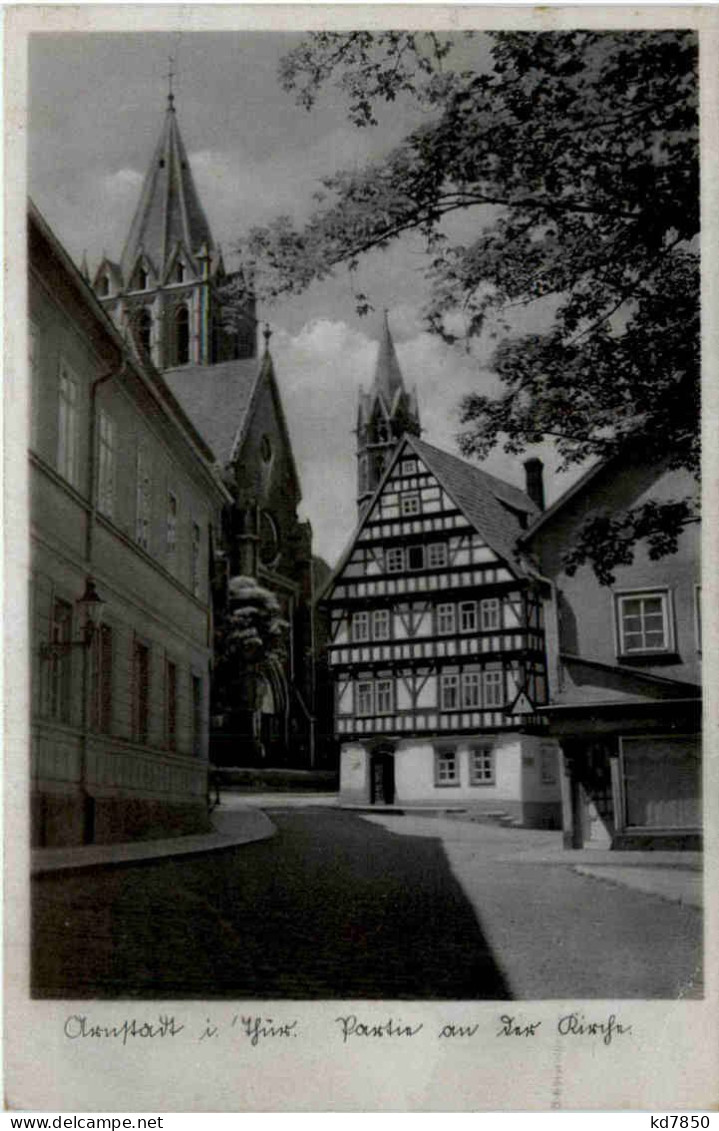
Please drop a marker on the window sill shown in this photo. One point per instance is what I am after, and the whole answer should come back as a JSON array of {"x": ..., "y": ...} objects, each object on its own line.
[
  {"x": 670, "y": 656},
  {"x": 447, "y": 785},
  {"x": 480, "y": 784}
]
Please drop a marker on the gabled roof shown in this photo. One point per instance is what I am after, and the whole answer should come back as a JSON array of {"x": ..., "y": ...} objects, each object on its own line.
[
  {"x": 169, "y": 210},
  {"x": 217, "y": 399},
  {"x": 220, "y": 400},
  {"x": 482, "y": 498}
]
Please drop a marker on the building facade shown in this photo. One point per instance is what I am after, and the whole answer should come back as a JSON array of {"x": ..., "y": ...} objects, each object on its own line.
[
  {"x": 437, "y": 646},
  {"x": 124, "y": 496},
  {"x": 170, "y": 291},
  {"x": 625, "y": 670}
]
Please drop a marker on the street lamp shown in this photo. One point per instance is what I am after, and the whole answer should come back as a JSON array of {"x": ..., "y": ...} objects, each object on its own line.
[{"x": 91, "y": 606}]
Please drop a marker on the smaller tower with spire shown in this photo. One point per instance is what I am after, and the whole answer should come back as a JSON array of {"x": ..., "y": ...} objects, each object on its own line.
[{"x": 385, "y": 414}]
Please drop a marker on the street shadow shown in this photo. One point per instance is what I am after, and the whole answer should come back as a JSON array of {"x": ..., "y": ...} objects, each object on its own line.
[{"x": 332, "y": 907}]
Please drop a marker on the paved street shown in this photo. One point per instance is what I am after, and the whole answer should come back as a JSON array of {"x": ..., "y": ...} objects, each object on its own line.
[{"x": 337, "y": 906}]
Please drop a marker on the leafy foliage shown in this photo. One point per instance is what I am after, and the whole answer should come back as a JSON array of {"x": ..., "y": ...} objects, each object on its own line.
[{"x": 575, "y": 155}]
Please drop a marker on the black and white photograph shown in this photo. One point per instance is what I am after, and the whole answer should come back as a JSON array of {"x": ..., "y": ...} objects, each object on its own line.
[{"x": 361, "y": 375}]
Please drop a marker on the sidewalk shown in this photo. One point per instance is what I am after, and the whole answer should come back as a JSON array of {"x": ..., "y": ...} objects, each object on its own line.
[
  {"x": 674, "y": 876},
  {"x": 233, "y": 825}
]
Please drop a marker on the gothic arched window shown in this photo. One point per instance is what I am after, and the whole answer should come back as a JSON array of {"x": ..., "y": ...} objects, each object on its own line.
[
  {"x": 179, "y": 271},
  {"x": 142, "y": 279},
  {"x": 144, "y": 329},
  {"x": 182, "y": 336},
  {"x": 103, "y": 286}
]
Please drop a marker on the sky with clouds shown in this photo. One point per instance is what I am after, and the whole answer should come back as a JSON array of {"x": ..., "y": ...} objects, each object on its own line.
[{"x": 96, "y": 106}]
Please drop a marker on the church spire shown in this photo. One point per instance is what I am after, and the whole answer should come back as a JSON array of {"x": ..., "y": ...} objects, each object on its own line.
[
  {"x": 387, "y": 374},
  {"x": 385, "y": 414},
  {"x": 169, "y": 214}
]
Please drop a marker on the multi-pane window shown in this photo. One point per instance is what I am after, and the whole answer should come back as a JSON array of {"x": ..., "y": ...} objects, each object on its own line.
[
  {"x": 446, "y": 767},
  {"x": 195, "y": 560},
  {"x": 394, "y": 560},
  {"x": 141, "y": 691},
  {"x": 171, "y": 704},
  {"x": 470, "y": 689},
  {"x": 171, "y": 522},
  {"x": 644, "y": 624},
  {"x": 68, "y": 425},
  {"x": 380, "y": 624},
  {"x": 467, "y": 616},
  {"x": 360, "y": 627},
  {"x": 101, "y": 680},
  {"x": 449, "y": 692},
  {"x": 409, "y": 504},
  {"x": 365, "y": 697},
  {"x": 481, "y": 765},
  {"x": 493, "y": 689},
  {"x": 107, "y": 464},
  {"x": 437, "y": 555},
  {"x": 489, "y": 613},
  {"x": 445, "y": 619},
  {"x": 409, "y": 467},
  {"x": 415, "y": 557},
  {"x": 196, "y": 715},
  {"x": 60, "y": 672},
  {"x": 383, "y": 696},
  {"x": 143, "y": 498}
]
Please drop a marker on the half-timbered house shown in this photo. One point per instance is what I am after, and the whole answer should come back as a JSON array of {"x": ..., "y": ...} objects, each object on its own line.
[{"x": 437, "y": 645}]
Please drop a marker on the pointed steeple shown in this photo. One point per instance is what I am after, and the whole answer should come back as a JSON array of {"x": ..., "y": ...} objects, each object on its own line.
[
  {"x": 385, "y": 415},
  {"x": 169, "y": 212},
  {"x": 387, "y": 373}
]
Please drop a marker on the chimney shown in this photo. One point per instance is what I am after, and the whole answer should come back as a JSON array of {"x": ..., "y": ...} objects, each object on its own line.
[{"x": 533, "y": 469}]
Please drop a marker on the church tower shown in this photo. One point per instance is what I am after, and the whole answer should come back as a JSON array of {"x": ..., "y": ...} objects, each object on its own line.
[
  {"x": 385, "y": 414},
  {"x": 166, "y": 287}
]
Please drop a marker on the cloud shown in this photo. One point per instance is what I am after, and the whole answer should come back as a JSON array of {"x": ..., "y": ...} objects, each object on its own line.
[{"x": 320, "y": 370}]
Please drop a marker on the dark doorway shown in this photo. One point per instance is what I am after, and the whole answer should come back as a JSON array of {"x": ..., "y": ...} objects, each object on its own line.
[{"x": 382, "y": 779}]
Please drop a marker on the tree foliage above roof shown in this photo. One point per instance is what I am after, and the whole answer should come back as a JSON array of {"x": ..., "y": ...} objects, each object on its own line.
[{"x": 576, "y": 156}]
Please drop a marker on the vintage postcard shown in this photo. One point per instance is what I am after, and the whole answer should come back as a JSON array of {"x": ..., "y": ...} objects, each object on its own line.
[{"x": 359, "y": 751}]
